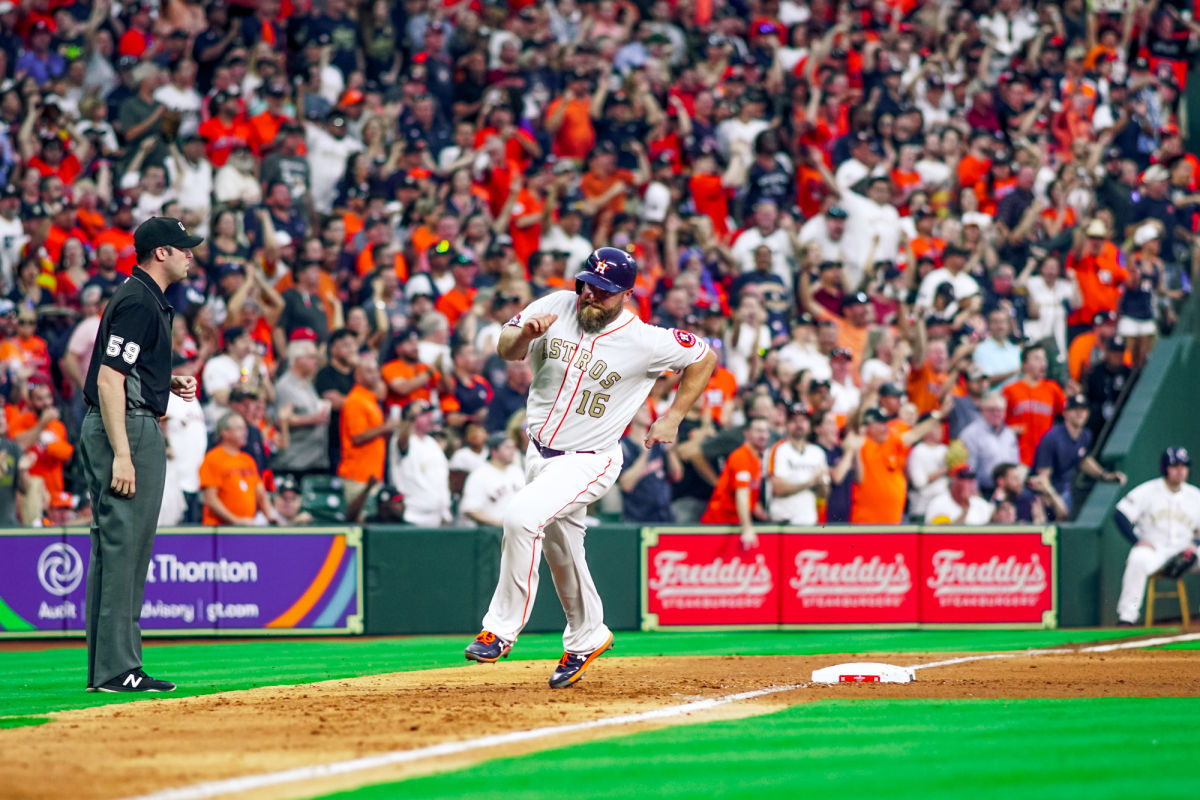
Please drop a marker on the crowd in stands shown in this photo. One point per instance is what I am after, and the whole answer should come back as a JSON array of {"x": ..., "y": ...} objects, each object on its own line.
[{"x": 933, "y": 242}]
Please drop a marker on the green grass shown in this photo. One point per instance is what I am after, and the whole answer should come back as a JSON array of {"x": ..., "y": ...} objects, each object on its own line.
[
  {"x": 1182, "y": 646},
  {"x": 898, "y": 749},
  {"x": 21, "y": 722},
  {"x": 53, "y": 679}
]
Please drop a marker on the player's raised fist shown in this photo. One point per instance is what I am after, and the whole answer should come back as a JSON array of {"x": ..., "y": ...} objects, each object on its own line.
[{"x": 539, "y": 324}]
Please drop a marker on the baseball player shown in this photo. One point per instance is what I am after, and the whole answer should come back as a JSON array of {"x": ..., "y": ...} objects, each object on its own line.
[
  {"x": 1162, "y": 519},
  {"x": 593, "y": 363}
]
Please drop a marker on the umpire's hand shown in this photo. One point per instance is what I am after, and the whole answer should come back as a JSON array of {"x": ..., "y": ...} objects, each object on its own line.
[
  {"x": 122, "y": 476},
  {"x": 184, "y": 386}
]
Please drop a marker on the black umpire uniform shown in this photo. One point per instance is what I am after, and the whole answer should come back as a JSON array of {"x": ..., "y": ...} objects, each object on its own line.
[{"x": 135, "y": 340}]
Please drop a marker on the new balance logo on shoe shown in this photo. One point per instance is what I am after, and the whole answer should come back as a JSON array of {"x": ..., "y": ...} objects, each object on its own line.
[{"x": 135, "y": 680}]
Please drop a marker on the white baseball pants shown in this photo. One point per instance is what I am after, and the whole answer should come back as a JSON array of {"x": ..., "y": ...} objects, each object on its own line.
[
  {"x": 1140, "y": 565},
  {"x": 548, "y": 516}
]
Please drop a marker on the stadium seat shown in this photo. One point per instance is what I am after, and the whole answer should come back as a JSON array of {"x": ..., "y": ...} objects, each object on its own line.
[
  {"x": 1180, "y": 593},
  {"x": 321, "y": 496}
]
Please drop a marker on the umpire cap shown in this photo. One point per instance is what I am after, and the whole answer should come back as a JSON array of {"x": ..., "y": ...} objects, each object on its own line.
[
  {"x": 1174, "y": 456},
  {"x": 162, "y": 232},
  {"x": 610, "y": 269}
]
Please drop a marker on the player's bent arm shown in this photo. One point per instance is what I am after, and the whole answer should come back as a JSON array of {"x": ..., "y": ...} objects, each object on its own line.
[
  {"x": 1124, "y": 526},
  {"x": 513, "y": 344},
  {"x": 111, "y": 386},
  {"x": 691, "y": 385},
  {"x": 695, "y": 377}
]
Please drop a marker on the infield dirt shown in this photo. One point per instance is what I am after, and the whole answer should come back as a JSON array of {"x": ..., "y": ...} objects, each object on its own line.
[{"x": 118, "y": 751}]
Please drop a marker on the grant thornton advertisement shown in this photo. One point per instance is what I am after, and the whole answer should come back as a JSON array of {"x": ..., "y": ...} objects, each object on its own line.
[{"x": 199, "y": 581}]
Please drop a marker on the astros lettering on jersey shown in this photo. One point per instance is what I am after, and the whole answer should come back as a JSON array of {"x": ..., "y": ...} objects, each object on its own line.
[
  {"x": 587, "y": 387},
  {"x": 1168, "y": 520}
]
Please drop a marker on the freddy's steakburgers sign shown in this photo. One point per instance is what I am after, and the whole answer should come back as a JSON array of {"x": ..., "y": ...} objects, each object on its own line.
[{"x": 849, "y": 577}]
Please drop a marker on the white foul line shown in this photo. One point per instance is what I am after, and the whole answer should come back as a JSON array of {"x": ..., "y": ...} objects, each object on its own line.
[
  {"x": 248, "y": 783},
  {"x": 251, "y": 782},
  {"x": 1098, "y": 648}
]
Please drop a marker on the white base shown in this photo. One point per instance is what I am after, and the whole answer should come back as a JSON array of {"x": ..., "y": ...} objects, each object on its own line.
[{"x": 863, "y": 672}]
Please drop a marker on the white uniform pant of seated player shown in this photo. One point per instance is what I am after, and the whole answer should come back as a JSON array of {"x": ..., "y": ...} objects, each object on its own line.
[
  {"x": 548, "y": 516},
  {"x": 1139, "y": 566}
]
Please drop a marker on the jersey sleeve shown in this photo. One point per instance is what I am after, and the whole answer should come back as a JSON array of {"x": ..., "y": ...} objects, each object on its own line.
[
  {"x": 672, "y": 349},
  {"x": 1132, "y": 504},
  {"x": 548, "y": 304},
  {"x": 130, "y": 329}
]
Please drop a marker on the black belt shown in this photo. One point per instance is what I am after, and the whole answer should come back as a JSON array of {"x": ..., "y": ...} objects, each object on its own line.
[
  {"x": 550, "y": 452},
  {"x": 129, "y": 412}
]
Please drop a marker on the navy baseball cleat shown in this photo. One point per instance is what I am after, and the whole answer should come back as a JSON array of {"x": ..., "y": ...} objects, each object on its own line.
[
  {"x": 488, "y": 648},
  {"x": 135, "y": 680},
  {"x": 570, "y": 667}
]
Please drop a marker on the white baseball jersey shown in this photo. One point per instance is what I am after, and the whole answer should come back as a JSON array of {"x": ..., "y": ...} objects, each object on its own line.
[
  {"x": 587, "y": 387},
  {"x": 489, "y": 489},
  {"x": 795, "y": 466},
  {"x": 1168, "y": 520}
]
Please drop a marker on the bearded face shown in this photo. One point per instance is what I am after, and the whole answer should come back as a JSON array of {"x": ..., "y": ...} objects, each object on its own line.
[{"x": 597, "y": 308}]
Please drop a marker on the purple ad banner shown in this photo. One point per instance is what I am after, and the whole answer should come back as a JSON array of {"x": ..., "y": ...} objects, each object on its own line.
[{"x": 200, "y": 581}]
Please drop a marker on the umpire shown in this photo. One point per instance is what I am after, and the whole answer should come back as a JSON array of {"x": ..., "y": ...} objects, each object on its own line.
[{"x": 124, "y": 456}]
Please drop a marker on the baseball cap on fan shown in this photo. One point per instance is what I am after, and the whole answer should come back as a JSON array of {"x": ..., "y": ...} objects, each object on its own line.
[
  {"x": 656, "y": 203},
  {"x": 162, "y": 232}
]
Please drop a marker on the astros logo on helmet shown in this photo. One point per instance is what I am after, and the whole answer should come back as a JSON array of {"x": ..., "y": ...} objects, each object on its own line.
[{"x": 610, "y": 269}]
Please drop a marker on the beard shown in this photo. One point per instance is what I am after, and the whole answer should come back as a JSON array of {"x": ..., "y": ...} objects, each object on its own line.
[{"x": 593, "y": 319}]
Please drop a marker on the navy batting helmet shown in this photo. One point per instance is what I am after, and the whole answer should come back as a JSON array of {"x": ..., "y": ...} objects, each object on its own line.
[
  {"x": 1174, "y": 456},
  {"x": 610, "y": 269}
]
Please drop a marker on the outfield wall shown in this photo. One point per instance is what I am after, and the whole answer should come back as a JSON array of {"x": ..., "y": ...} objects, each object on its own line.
[
  {"x": 1162, "y": 411},
  {"x": 399, "y": 580}
]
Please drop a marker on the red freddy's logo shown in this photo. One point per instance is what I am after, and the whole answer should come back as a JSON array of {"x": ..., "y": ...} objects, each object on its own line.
[
  {"x": 858, "y": 679},
  {"x": 674, "y": 577},
  {"x": 815, "y": 575},
  {"x": 684, "y": 338},
  {"x": 952, "y": 575}
]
